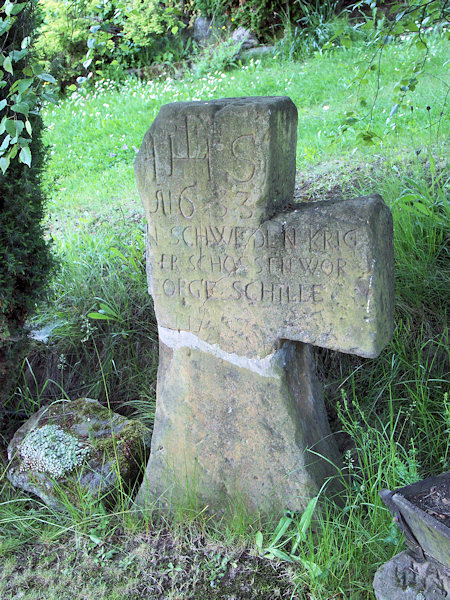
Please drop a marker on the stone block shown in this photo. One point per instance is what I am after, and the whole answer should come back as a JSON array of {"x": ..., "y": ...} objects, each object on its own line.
[{"x": 405, "y": 578}]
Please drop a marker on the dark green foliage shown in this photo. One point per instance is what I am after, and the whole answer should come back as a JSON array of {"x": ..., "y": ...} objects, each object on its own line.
[{"x": 25, "y": 258}]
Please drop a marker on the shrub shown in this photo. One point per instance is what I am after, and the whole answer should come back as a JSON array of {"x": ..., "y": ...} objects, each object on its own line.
[
  {"x": 25, "y": 258},
  {"x": 92, "y": 36}
]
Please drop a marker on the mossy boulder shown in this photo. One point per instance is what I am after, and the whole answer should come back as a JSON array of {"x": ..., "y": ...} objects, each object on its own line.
[{"x": 73, "y": 449}]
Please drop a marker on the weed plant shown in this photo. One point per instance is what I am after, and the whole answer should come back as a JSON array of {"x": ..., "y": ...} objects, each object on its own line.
[{"x": 392, "y": 413}]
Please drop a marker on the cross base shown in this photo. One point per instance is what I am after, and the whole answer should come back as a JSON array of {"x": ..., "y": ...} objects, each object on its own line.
[{"x": 232, "y": 430}]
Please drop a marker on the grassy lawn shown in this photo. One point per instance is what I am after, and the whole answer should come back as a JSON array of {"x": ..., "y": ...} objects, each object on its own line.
[{"x": 392, "y": 413}]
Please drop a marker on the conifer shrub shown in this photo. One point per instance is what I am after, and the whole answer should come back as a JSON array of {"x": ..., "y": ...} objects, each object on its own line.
[{"x": 25, "y": 257}]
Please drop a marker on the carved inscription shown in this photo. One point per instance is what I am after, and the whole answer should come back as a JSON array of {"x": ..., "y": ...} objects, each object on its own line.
[
  {"x": 211, "y": 262},
  {"x": 212, "y": 175},
  {"x": 206, "y": 244}
]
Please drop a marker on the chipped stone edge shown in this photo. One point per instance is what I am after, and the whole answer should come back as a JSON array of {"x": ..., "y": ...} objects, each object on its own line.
[{"x": 269, "y": 366}]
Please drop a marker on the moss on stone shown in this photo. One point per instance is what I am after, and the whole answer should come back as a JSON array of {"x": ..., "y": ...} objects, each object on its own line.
[{"x": 116, "y": 445}]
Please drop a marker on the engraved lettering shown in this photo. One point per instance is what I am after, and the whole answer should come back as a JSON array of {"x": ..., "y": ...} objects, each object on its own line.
[
  {"x": 313, "y": 238},
  {"x": 158, "y": 200},
  {"x": 326, "y": 266},
  {"x": 195, "y": 293},
  {"x": 308, "y": 264},
  {"x": 181, "y": 284},
  {"x": 290, "y": 239},
  {"x": 218, "y": 235},
  {"x": 216, "y": 263},
  {"x": 274, "y": 260},
  {"x": 201, "y": 239},
  {"x": 315, "y": 289},
  {"x": 169, "y": 287},
  {"x": 247, "y": 290},
  {"x": 237, "y": 288},
  {"x": 229, "y": 265},
  {"x": 149, "y": 154},
  {"x": 184, "y": 235},
  {"x": 175, "y": 235},
  {"x": 349, "y": 238},
  {"x": 258, "y": 239},
  {"x": 192, "y": 262},
  {"x": 186, "y": 205},
  {"x": 243, "y": 198},
  {"x": 241, "y": 147},
  {"x": 168, "y": 262}
]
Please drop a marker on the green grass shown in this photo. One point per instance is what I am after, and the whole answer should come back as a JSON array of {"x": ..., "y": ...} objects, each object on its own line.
[
  {"x": 96, "y": 132},
  {"x": 392, "y": 413}
]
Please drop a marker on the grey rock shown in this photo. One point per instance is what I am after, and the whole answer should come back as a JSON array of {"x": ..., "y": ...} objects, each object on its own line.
[
  {"x": 202, "y": 29},
  {"x": 244, "y": 37},
  {"x": 405, "y": 578},
  {"x": 117, "y": 447},
  {"x": 257, "y": 52}
]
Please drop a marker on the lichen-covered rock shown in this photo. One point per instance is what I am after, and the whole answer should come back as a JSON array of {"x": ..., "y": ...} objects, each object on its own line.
[{"x": 73, "y": 447}]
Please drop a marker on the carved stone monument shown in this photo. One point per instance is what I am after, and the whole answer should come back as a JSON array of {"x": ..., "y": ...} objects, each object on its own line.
[{"x": 243, "y": 281}]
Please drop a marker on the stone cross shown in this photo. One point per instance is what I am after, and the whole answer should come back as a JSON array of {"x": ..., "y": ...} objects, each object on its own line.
[{"x": 243, "y": 282}]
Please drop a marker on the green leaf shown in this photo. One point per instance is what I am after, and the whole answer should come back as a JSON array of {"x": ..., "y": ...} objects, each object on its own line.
[
  {"x": 420, "y": 44},
  {"x": 277, "y": 553},
  {"x": 72, "y": 87},
  {"x": 3, "y": 103},
  {"x": 21, "y": 107},
  {"x": 281, "y": 529},
  {"x": 17, "y": 8},
  {"x": 346, "y": 42},
  {"x": 5, "y": 142},
  {"x": 96, "y": 539},
  {"x": 13, "y": 152},
  {"x": 411, "y": 26},
  {"x": 25, "y": 156},
  {"x": 432, "y": 164},
  {"x": 306, "y": 517},
  {"x": 394, "y": 8},
  {"x": 19, "y": 54},
  {"x": 108, "y": 310},
  {"x": 259, "y": 540},
  {"x": 313, "y": 569},
  {"x": 4, "y": 25},
  {"x": 47, "y": 77},
  {"x": 7, "y": 7},
  {"x": 97, "y": 315},
  {"x": 24, "y": 84},
  {"x": 4, "y": 163},
  {"x": 7, "y": 65},
  {"x": 28, "y": 128},
  {"x": 10, "y": 126},
  {"x": 37, "y": 69}
]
